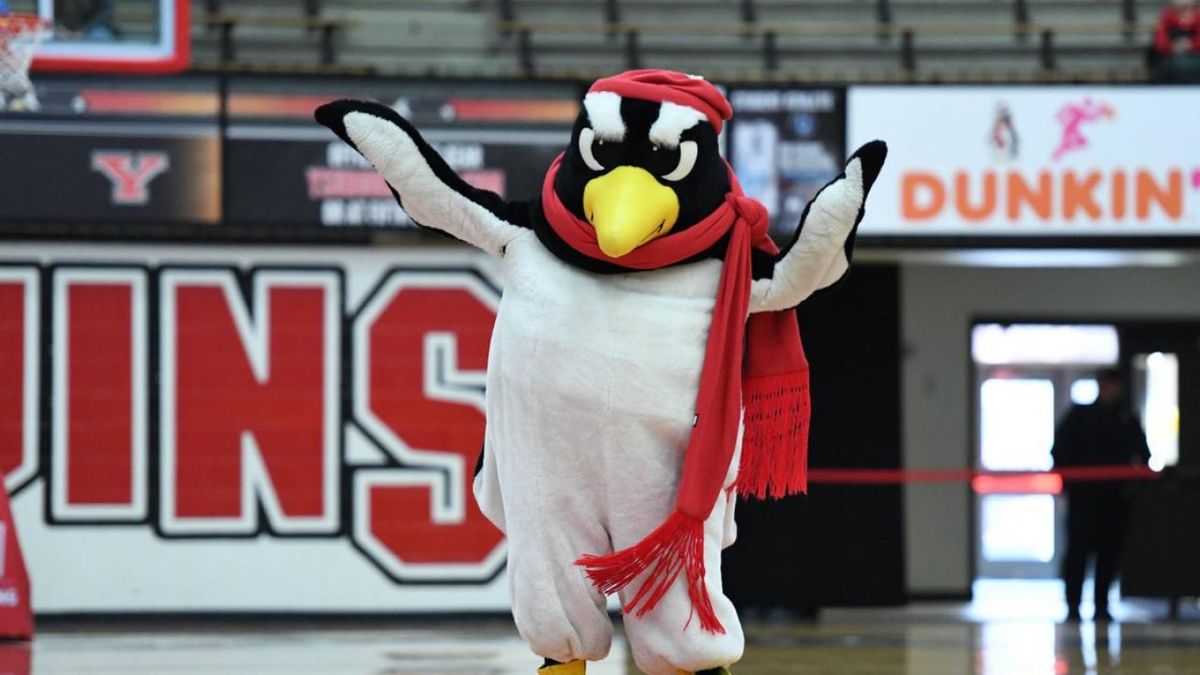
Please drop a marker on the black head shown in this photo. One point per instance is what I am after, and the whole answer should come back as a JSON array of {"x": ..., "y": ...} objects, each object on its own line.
[
  {"x": 1111, "y": 386},
  {"x": 637, "y": 170}
]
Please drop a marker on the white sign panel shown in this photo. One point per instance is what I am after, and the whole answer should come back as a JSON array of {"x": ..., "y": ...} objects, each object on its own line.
[
  {"x": 191, "y": 429},
  {"x": 1024, "y": 161}
]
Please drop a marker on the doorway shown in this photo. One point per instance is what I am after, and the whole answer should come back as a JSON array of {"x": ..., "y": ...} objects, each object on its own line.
[{"x": 1026, "y": 376}]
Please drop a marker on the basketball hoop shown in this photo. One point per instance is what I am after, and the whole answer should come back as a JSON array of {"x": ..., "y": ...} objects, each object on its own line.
[{"x": 20, "y": 35}]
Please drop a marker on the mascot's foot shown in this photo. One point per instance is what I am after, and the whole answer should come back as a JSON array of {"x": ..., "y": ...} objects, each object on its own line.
[
  {"x": 556, "y": 668},
  {"x": 710, "y": 671}
]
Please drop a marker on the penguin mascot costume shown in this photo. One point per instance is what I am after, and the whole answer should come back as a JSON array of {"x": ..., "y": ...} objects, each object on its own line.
[{"x": 645, "y": 365}]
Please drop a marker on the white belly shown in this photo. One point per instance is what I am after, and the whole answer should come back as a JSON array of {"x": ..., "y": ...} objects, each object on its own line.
[{"x": 596, "y": 370}]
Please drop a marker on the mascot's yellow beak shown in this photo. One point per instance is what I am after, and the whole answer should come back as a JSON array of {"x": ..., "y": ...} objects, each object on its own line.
[{"x": 628, "y": 208}]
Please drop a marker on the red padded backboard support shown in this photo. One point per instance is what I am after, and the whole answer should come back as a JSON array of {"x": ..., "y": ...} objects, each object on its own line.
[{"x": 16, "y": 610}]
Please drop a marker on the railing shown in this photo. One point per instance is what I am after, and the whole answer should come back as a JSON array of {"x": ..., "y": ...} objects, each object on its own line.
[
  {"x": 768, "y": 37},
  {"x": 749, "y": 10},
  {"x": 312, "y": 8},
  {"x": 769, "y": 34},
  {"x": 227, "y": 23}
]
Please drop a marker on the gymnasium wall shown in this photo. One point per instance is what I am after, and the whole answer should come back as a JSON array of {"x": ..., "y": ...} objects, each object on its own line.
[{"x": 277, "y": 429}]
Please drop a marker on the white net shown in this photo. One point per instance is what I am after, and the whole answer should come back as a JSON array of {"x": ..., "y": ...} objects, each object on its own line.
[{"x": 20, "y": 36}]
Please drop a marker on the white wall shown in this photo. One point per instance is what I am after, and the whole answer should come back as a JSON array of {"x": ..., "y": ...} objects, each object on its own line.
[{"x": 939, "y": 303}]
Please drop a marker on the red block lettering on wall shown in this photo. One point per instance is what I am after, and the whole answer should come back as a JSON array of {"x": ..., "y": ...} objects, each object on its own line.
[
  {"x": 19, "y": 365},
  {"x": 12, "y": 374},
  {"x": 419, "y": 391},
  {"x": 99, "y": 391},
  {"x": 253, "y": 405},
  {"x": 98, "y": 404}
]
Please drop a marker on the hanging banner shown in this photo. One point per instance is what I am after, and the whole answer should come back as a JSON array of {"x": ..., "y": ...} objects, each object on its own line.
[
  {"x": 1025, "y": 161},
  {"x": 125, "y": 156},
  {"x": 306, "y": 176},
  {"x": 113, "y": 154},
  {"x": 284, "y": 170},
  {"x": 113, "y": 172}
]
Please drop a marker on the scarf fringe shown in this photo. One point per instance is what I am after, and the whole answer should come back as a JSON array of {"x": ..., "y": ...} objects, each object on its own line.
[
  {"x": 676, "y": 546},
  {"x": 775, "y": 442}
]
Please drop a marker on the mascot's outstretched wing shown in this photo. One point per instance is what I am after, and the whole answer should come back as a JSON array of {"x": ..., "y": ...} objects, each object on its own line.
[
  {"x": 819, "y": 255},
  {"x": 430, "y": 192}
]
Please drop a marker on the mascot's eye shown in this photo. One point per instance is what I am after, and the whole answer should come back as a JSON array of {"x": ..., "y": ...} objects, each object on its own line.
[
  {"x": 586, "y": 137},
  {"x": 687, "y": 161}
]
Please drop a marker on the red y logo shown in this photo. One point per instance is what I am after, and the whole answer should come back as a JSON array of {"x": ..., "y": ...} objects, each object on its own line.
[{"x": 130, "y": 173}]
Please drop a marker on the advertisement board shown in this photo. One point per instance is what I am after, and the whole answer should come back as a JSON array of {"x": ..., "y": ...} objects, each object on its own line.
[
  {"x": 784, "y": 145},
  {"x": 304, "y": 175},
  {"x": 113, "y": 156},
  {"x": 105, "y": 151},
  {"x": 147, "y": 172},
  {"x": 248, "y": 429},
  {"x": 1022, "y": 161},
  {"x": 285, "y": 170}
]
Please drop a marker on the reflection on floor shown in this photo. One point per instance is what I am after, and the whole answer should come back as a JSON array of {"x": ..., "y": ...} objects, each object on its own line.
[
  {"x": 470, "y": 648},
  {"x": 1011, "y": 629},
  {"x": 878, "y": 646}
]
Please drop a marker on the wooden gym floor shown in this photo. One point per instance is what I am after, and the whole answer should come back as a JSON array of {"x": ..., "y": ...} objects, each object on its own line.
[{"x": 1014, "y": 633}]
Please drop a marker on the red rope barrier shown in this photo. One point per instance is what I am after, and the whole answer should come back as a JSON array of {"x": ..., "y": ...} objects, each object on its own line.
[{"x": 903, "y": 476}]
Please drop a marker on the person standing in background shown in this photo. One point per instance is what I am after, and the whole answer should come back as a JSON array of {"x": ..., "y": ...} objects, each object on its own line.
[
  {"x": 1178, "y": 30},
  {"x": 1105, "y": 432},
  {"x": 1176, "y": 49}
]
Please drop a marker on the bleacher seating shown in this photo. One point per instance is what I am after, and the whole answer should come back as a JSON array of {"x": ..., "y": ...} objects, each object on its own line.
[{"x": 803, "y": 40}]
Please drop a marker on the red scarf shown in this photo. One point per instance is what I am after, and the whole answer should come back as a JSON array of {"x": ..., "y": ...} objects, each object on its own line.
[{"x": 751, "y": 361}]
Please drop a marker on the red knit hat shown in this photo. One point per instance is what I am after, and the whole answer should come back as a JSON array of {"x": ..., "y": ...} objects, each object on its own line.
[{"x": 692, "y": 91}]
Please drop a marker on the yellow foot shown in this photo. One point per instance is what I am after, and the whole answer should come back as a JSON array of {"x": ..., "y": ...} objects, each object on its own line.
[{"x": 572, "y": 668}]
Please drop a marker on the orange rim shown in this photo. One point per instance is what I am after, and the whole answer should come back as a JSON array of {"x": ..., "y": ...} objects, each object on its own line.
[{"x": 21, "y": 23}]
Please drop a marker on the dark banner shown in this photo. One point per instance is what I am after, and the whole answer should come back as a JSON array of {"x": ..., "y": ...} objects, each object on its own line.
[
  {"x": 303, "y": 177},
  {"x": 284, "y": 170},
  {"x": 249, "y": 157},
  {"x": 114, "y": 152},
  {"x": 785, "y": 144},
  {"x": 118, "y": 155},
  {"x": 121, "y": 172}
]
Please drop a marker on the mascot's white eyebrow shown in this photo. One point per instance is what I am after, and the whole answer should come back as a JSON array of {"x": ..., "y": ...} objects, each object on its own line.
[
  {"x": 604, "y": 112},
  {"x": 673, "y": 120}
]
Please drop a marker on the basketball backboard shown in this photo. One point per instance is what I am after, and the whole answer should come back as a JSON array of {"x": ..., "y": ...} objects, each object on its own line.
[{"x": 127, "y": 36}]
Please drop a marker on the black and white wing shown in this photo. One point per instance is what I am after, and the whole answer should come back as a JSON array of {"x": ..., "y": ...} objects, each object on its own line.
[
  {"x": 428, "y": 189},
  {"x": 820, "y": 253}
]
